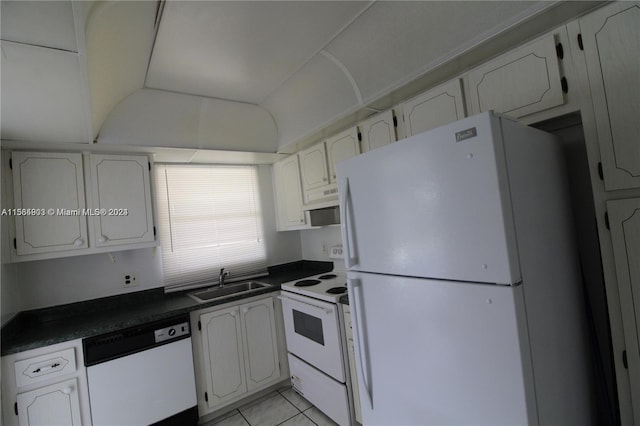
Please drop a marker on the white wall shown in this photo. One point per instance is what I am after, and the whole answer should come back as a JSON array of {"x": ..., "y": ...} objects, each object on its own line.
[
  {"x": 73, "y": 279},
  {"x": 313, "y": 241}
]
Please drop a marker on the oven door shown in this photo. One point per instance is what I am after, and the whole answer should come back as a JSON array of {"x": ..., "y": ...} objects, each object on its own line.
[{"x": 313, "y": 333}]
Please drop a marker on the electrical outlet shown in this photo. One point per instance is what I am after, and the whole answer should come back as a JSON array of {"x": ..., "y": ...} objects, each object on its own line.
[
  {"x": 129, "y": 280},
  {"x": 325, "y": 248}
]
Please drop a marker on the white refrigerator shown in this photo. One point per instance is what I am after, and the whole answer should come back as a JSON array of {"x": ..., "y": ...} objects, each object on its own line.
[{"x": 463, "y": 279}]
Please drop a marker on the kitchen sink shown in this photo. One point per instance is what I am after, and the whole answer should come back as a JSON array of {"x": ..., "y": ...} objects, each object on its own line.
[{"x": 231, "y": 289}]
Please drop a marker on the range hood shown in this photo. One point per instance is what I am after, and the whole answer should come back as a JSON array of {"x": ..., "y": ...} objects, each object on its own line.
[{"x": 324, "y": 213}]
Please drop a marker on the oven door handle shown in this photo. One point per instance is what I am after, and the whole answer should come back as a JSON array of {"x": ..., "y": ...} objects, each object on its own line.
[{"x": 327, "y": 311}]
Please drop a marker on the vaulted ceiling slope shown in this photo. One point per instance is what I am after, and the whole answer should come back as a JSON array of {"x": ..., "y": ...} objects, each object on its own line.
[{"x": 235, "y": 75}]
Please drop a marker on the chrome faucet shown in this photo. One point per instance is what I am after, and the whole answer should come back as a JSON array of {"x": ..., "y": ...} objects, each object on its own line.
[{"x": 222, "y": 276}]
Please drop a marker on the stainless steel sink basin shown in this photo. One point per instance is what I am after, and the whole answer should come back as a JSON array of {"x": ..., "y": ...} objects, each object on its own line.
[{"x": 230, "y": 289}]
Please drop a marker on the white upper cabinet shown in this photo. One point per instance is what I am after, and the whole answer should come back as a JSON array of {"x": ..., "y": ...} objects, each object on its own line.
[
  {"x": 288, "y": 192},
  {"x": 524, "y": 81},
  {"x": 611, "y": 39},
  {"x": 122, "y": 190},
  {"x": 624, "y": 219},
  {"x": 377, "y": 131},
  {"x": 53, "y": 218},
  {"x": 341, "y": 147},
  {"x": 47, "y": 185},
  {"x": 313, "y": 167},
  {"x": 439, "y": 106}
]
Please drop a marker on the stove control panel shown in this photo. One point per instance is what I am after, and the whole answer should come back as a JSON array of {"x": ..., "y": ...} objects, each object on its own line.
[{"x": 335, "y": 252}]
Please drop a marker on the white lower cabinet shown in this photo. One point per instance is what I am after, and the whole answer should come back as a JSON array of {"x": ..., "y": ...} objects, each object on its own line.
[
  {"x": 624, "y": 219},
  {"x": 237, "y": 349},
  {"x": 46, "y": 386},
  {"x": 57, "y": 404}
]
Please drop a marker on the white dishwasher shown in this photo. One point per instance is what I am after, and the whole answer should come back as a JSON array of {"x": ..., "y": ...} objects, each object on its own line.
[{"x": 142, "y": 375}]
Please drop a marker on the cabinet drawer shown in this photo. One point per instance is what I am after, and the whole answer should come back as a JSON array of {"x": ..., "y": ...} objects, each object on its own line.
[
  {"x": 45, "y": 367},
  {"x": 325, "y": 393}
]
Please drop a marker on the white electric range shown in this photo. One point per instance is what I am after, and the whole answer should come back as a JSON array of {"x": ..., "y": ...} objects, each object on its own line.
[{"x": 316, "y": 340}]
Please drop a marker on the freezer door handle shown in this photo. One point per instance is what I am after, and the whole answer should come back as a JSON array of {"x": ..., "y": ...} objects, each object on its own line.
[
  {"x": 345, "y": 209},
  {"x": 360, "y": 340}
]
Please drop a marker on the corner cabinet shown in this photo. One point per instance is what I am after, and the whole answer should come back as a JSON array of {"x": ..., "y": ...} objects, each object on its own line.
[
  {"x": 237, "y": 352},
  {"x": 46, "y": 386},
  {"x": 524, "y": 81},
  {"x": 68, "y": 204},
  {"x": 441, "y": 105},
  {"x": 288, "y": 194},
  {"x": 624, "y": 220},
  {"x": 611, "y": 40}
]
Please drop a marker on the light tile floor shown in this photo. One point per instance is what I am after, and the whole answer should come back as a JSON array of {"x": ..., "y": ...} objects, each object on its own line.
[{"x": 283, "y": 407}]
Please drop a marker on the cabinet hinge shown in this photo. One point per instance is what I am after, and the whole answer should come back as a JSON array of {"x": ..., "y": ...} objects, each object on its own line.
[
  {"x": 606, "y": 220},
  {"x": 15, "y": 244},
  {"x": 580, "y": 45},
  {"x": 11, "y": 163},
  {"x": 15, "y": 408},
  {"x": 395, "y": 121},
  {"x": 564, "y": 84},
  {"x": 359, "y": 136},
  {"x": 625, "y": 362},
  {"x": 600, "y": 172},
  {"x": 199, "y": 325},
  {"x": 206, "y": 397},
  {"x": 149, "y": 163},
  {"x": 560, "y": 50},
  {"x": 154, "y": 231}
]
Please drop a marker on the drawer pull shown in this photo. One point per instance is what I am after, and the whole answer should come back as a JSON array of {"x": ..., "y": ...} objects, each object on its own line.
[{"x": 45, "y": 368}]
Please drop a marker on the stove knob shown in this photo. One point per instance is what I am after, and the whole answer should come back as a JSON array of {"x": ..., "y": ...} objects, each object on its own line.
[{"x": 172, "y": 332}]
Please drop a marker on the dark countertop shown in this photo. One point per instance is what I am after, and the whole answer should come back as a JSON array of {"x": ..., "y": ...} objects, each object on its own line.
[{"x": 47, "y": 326}]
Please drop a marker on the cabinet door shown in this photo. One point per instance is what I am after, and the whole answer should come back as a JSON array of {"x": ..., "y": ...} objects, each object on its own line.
[
  {"x": 57, "y": 404},
  {"x": 624, "y": 219},
  {"x": 439, "y": 106},
  {"x": 519, "y": 83},
  {"x": 223, "y": 355},
  {"x": 313, "y": 167},
  {"x": 53, "y": 182},
  {"x": 611, "y": 38},
  {"x": 377, "y": 131},
  {"x": 262, "y": 364},
  {"x": 342, "y": 147},
  {"x": 122, "y": 193},
  {"x": 288, "y": 194}
]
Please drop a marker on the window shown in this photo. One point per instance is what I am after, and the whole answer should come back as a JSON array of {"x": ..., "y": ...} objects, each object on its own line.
[{"x": 209, "y": 218}]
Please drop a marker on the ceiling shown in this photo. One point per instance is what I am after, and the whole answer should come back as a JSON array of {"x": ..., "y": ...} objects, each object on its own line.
[
  {"x": 244, "y": 75},
  {"x": 241, "y": 51}
]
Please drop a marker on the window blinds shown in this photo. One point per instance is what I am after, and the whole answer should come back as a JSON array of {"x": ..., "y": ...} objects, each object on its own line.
[{"x": 209, "y": 218}]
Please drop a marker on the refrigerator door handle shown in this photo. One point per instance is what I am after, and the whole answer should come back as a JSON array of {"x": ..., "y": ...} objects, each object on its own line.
[
  {"x": 345, "y": 204},
  {"x": 363, "y": 354}
]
